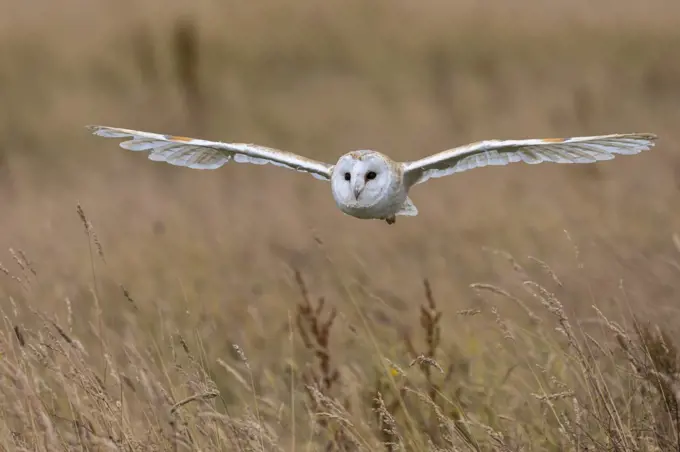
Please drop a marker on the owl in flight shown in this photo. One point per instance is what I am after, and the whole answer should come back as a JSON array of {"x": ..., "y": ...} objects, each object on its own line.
[{"x": 369, "y": 185}]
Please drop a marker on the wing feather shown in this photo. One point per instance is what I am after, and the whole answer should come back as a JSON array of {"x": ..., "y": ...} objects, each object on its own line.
[
  {"x": 203, "y": 154},
  {"x": 531, "y": 151}
]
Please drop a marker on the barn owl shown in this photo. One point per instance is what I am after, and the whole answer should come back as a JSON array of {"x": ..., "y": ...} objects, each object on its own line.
[{"x": 367, "y": 184}]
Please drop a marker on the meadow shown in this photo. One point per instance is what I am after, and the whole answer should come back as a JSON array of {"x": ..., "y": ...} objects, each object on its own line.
[{"x": 150, "y": 307}]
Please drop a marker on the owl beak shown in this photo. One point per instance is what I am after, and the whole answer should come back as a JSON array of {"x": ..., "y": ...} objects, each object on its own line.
[{"x": 357, "y": 191}]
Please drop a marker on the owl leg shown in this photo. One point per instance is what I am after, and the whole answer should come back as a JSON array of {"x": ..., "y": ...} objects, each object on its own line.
[{"x": 391, "y": 219}]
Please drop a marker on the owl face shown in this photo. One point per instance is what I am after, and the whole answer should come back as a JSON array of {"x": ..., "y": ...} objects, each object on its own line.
[{"x": 362, "y": 183}]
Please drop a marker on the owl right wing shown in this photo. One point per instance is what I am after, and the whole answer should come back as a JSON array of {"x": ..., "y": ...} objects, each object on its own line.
[
  {"x": 532, "y": 151},
  {"x": 203, "y": 154}
]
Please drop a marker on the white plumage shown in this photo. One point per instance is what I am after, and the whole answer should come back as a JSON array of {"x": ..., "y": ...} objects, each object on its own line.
[{"x": 369, "y": 185}]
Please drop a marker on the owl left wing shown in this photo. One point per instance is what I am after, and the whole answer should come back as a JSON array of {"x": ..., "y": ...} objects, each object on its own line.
[
  {"x": 203, "y": 154},
  {"x": 532, "y": 151}
]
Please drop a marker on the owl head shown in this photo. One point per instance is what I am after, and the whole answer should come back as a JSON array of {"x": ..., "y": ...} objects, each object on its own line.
[{"x": 362, "y": 179}]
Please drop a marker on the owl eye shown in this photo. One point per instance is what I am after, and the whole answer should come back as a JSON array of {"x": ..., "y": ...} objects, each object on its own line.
[
  {"x": 371, "y": 175},
  {"x": 347, "y": 176}
]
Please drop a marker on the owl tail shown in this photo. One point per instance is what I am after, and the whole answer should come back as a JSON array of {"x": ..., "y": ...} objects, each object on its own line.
[{"x": 408, "y": 209}]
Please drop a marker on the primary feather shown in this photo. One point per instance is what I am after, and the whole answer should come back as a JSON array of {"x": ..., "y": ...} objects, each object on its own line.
[
  {"x": 532, "y": 151},
  {"x": 204, "y": 154}
]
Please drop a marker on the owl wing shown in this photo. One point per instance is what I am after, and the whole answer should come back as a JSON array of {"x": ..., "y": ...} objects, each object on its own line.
[
  {"x": 203, "y": 154},
  {"x": 532, "y": 151}
]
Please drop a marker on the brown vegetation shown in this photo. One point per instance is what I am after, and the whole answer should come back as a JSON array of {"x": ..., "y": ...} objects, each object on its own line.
[{"x": 149, "y": 307}]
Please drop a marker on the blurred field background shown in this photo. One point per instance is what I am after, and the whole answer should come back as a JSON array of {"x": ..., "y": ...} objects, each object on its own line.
[{"x": 106, "y": 331}]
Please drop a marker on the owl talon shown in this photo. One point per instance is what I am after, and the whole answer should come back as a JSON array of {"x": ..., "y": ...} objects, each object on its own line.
[{"x": 391, "y": 220}]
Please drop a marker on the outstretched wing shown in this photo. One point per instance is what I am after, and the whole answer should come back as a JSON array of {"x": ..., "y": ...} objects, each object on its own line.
[
  {"x": 532, "y": 151},
  {"x": 203, "y": 154}
]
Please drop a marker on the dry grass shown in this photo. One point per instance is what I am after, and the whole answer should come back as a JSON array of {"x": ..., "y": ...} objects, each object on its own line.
[{"x": 148, "y": 307}]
